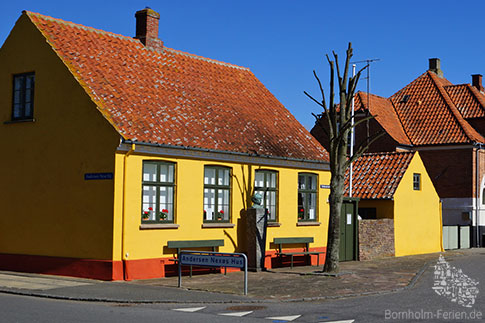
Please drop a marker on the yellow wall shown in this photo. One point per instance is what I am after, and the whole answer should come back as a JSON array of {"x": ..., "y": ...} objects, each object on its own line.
[
  {"x": 47, "y": 208},
  {"x": 150, "y": 243},
  {"x": 417, "y": 225},
  {"x": 384, "y": 208}
]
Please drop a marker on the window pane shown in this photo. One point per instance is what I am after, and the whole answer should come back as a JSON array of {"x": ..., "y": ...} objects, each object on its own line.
[
  {"x": 259, "y": 179},
  {"x": 209, "y": 203},
  {"x": 165, "y": 208},
  {"x": 149, "y": 203},
  {"x": 312, "y": 182},
  {"x": 223, "y": 177},
  {"x": 312, "y": 204},
  {"x": 301, "y": 206},
  {"x": 301, "y": 182},
  {"x": 166, "y": 173},
  {"x": 28, "y": 110},
  {"x": 210, "y": 176},
  {"x": 18, "y": 82},
  {"x": 29, "y": 82},
  {"x": 271, "y": 206},
  {"x": 16, "y": 110},
  {"x": 28, "y": 95},
  {"x": 149, "y": 172},
  {"x": 16, "y": 97},
  {"x": 223, "y": 204},
  {"x": 272, "y": 180}
]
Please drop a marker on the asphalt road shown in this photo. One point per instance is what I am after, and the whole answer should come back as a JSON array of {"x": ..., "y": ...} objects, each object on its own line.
[{"x": 417, "y": 302}]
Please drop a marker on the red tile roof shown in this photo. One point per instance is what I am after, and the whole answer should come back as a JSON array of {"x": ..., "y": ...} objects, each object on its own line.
[
  {"x": 174, "y": 98},
  {"x": 428, "y": 114},
  {"x": 468, "y": 100},
  {"x": 384, "y": 112},
  {"x": 377, "y": 176}
]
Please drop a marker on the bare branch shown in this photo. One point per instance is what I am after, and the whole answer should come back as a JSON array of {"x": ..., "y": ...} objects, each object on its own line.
[
  {"x": 363, "y": 148},
  {"x": 315, "y": 100},
  {"x": 321, "y": 89},
  {"x": 318, "y": 121}
]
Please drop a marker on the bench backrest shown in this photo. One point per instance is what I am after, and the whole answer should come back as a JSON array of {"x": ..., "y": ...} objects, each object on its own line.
[
  {"x": 194, "y": 243},
  {"x": 293, "y": 240}
]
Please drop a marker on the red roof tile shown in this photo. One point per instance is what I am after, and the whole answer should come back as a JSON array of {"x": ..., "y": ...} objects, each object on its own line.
[
  {"x": 377, "y": 176},
  {"x": 384, "y": 112},
  {"x": 175, "y": 98},
  {"x": 468, "y": 100},
  {"x": 428, "y": 114}
]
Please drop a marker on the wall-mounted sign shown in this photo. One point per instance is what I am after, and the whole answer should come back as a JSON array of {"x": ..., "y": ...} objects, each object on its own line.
[
  {"x": 325, "y": 186},
  {"x": 97, "y": 176}
]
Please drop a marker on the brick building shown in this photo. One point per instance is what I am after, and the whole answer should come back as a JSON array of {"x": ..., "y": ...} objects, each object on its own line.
[{"x": 445, "y": 123}]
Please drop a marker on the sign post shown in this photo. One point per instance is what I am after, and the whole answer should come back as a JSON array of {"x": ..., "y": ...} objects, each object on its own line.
[{"x": 213, "y": 259}]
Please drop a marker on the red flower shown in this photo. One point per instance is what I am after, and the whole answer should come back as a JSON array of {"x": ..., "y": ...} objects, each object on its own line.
[
  {"x": 150, "y": 208},
  {"x": 165, "y": 211},
  {"x": 221, "y": 212},
  {"x": 301, "y": 210},
  {"x": 146, "y": 212}
]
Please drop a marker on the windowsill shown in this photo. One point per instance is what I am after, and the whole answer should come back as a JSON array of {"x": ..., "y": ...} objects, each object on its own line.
[
  {"x": 274, "y": 224},
  {"x": 308, "y": 224},
  {"x": 218, "y": 225},
  {"x": 159, "y": 226},
  {"x": 19, "y": 121}
]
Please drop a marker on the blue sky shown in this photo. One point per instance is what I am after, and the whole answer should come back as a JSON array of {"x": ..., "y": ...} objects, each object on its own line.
[{"x": 283, "y": 41}]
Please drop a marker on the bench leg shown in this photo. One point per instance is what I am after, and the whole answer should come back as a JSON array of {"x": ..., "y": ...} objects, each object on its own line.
[
  {"x": 190, "y": 271},
  {"x": 291, "y": 261}
]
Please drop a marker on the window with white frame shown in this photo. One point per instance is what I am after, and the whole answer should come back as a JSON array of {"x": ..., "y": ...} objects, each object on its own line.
[
  {"x": 217, "y": 194},
  {"x": 158, "y": 192},
  {"x": 307, "y": 197},
  {"x": 265, "y": 183}
]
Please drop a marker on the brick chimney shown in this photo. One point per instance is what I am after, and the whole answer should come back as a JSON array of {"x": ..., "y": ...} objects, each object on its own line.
[
  {"x": 477, "y": 82},
  {"x": 435, "y": 66},
  {"x": 147, "y": 28}
]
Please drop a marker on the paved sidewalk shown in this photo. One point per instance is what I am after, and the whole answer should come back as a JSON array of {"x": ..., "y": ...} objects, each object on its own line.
[{"x": 282, "y": 284}]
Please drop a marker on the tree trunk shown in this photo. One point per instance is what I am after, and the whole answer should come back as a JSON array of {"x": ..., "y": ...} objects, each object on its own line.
[{"x": 333, "y": 244}]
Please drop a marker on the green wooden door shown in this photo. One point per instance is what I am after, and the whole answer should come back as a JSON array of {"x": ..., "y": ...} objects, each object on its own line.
[{"x": 348, "y": 231}]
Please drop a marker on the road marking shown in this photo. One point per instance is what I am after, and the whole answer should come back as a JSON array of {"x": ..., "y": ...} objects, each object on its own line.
[
  {"x": 345, "y": 321},
  {"x": 189, "y": 309},
  {"x": 284, "y": 318},
  {"x": 239, "y": 314}
]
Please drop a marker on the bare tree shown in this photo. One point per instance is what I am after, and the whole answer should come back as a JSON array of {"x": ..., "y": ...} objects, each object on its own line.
[{"x": 339, "y": 122}]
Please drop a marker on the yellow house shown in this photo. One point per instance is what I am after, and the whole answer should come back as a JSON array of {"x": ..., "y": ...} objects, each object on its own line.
[
  {"x": 398, "y": 204},
  {"x": 114, "y": 146}
]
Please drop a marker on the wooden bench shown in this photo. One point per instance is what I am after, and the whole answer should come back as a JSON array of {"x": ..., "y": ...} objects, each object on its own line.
[
  {"x": 193, "y": 244},
  {"x": 296, "y": 240}
]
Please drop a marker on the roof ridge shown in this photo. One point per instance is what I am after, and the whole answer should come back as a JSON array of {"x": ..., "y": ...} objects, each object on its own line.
[
  {"x": 372, "y": 95},
  {"x": 477, "y": 94},
  {"x": 101, "y": 31},
  {"x": 389, "y": 153},
  {"x": 400, "y": 121},
  {"x": 211, "y": 60},
  {"x": 453, "y": 85},
  {"x": 470, "y": 133}
]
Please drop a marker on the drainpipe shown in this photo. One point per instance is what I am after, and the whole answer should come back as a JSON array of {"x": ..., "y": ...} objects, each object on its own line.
[
  {"x": 123, "y": 255},
  {"x": 351, "y": 138},
  {"x": 477, "y": 200}
]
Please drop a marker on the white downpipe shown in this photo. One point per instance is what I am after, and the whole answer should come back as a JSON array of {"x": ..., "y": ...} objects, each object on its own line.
[
  {"x": 351, "y": 137},
  {"x": 477, "y": 191}
]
